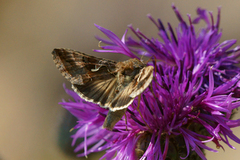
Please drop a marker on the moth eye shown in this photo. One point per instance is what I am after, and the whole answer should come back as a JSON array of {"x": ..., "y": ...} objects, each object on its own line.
[
  {"x": 131, "y": 72},
  {"x": 128, "y": 72}
]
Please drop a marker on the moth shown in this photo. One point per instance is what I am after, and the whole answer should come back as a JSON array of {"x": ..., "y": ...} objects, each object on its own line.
[{"x": 113, "y": 85}]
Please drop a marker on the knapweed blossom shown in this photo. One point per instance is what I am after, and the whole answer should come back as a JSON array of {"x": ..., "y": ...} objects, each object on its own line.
[{"x": 193, "y": 94}]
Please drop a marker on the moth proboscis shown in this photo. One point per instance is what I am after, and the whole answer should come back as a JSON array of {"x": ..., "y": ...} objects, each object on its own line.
[{"x": 113, "y": 85}]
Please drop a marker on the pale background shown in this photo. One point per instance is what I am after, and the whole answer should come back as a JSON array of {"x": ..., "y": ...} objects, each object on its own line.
[{"x": 31, "y": 86}]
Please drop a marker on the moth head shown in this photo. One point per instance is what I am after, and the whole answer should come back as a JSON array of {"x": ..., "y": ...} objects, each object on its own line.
[{"x": 138, "y": 63}]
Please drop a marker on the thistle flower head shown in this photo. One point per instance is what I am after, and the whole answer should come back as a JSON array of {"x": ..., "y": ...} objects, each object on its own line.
[{"x": 193, "y": 94}]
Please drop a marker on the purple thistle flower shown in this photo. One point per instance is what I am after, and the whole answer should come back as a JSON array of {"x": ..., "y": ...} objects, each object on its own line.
[{"x": 190, "y": 102}]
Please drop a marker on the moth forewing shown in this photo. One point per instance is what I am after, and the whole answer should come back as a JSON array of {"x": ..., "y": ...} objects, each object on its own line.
[
  {"x": 122, "y": 100},
  {"x": 99, "y": 92},
  {"x": 76, "y": 66},
  {"x": 143, "y": 80},
  {"x": 62, "y": 63}
]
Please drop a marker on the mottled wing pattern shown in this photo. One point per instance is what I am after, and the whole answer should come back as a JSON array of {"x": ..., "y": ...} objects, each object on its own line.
[
  {"x": 122, "y": 99},
  {"x": 96, "y": 80},
  {"x": 98, "y": 91},
  {"x": 106, "y": 93},
  {"x": 80, "y": 68},
  {"x": 137, "y": 85},
  {"x": 143, "y": 79}
]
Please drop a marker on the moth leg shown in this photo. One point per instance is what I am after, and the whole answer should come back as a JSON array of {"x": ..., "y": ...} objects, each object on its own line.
[
  {"x": 112, "y": 118},
  {"x": 126, "y": 121},
  {"x": 139, "y": 98},
  {"x": 151, "y": 89}
]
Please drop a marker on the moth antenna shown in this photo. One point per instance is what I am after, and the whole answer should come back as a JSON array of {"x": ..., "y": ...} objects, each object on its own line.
[
  {"x": 155, "y": 64},
  {"x": 155, "y": 71},
  {"x": 142, "y": 57},
  {"x": 139, "y": 98},
  {"x": 148, "y": 60},
  {"x": 154, "y": 78}
]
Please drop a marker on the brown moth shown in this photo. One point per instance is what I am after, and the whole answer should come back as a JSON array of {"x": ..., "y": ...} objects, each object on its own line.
[{"x": 112, "y": 85}]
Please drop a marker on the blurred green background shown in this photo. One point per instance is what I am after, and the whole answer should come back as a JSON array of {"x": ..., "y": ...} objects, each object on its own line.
[{"x": 30, "y": 84}]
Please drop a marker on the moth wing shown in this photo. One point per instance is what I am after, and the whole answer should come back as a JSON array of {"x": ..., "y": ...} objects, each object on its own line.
[
  {"x": 144, "y": 78},
  {"x": 107, "y": 93},
  {"x": 80, "y": 68},
  {"x": 122, "y": 99},
  {"x": 126, "y": 96},
  {"x": 98, "y": 91}
]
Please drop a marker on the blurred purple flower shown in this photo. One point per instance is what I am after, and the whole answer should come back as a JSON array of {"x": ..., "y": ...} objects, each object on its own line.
[{"x": 194, "y": 93}]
